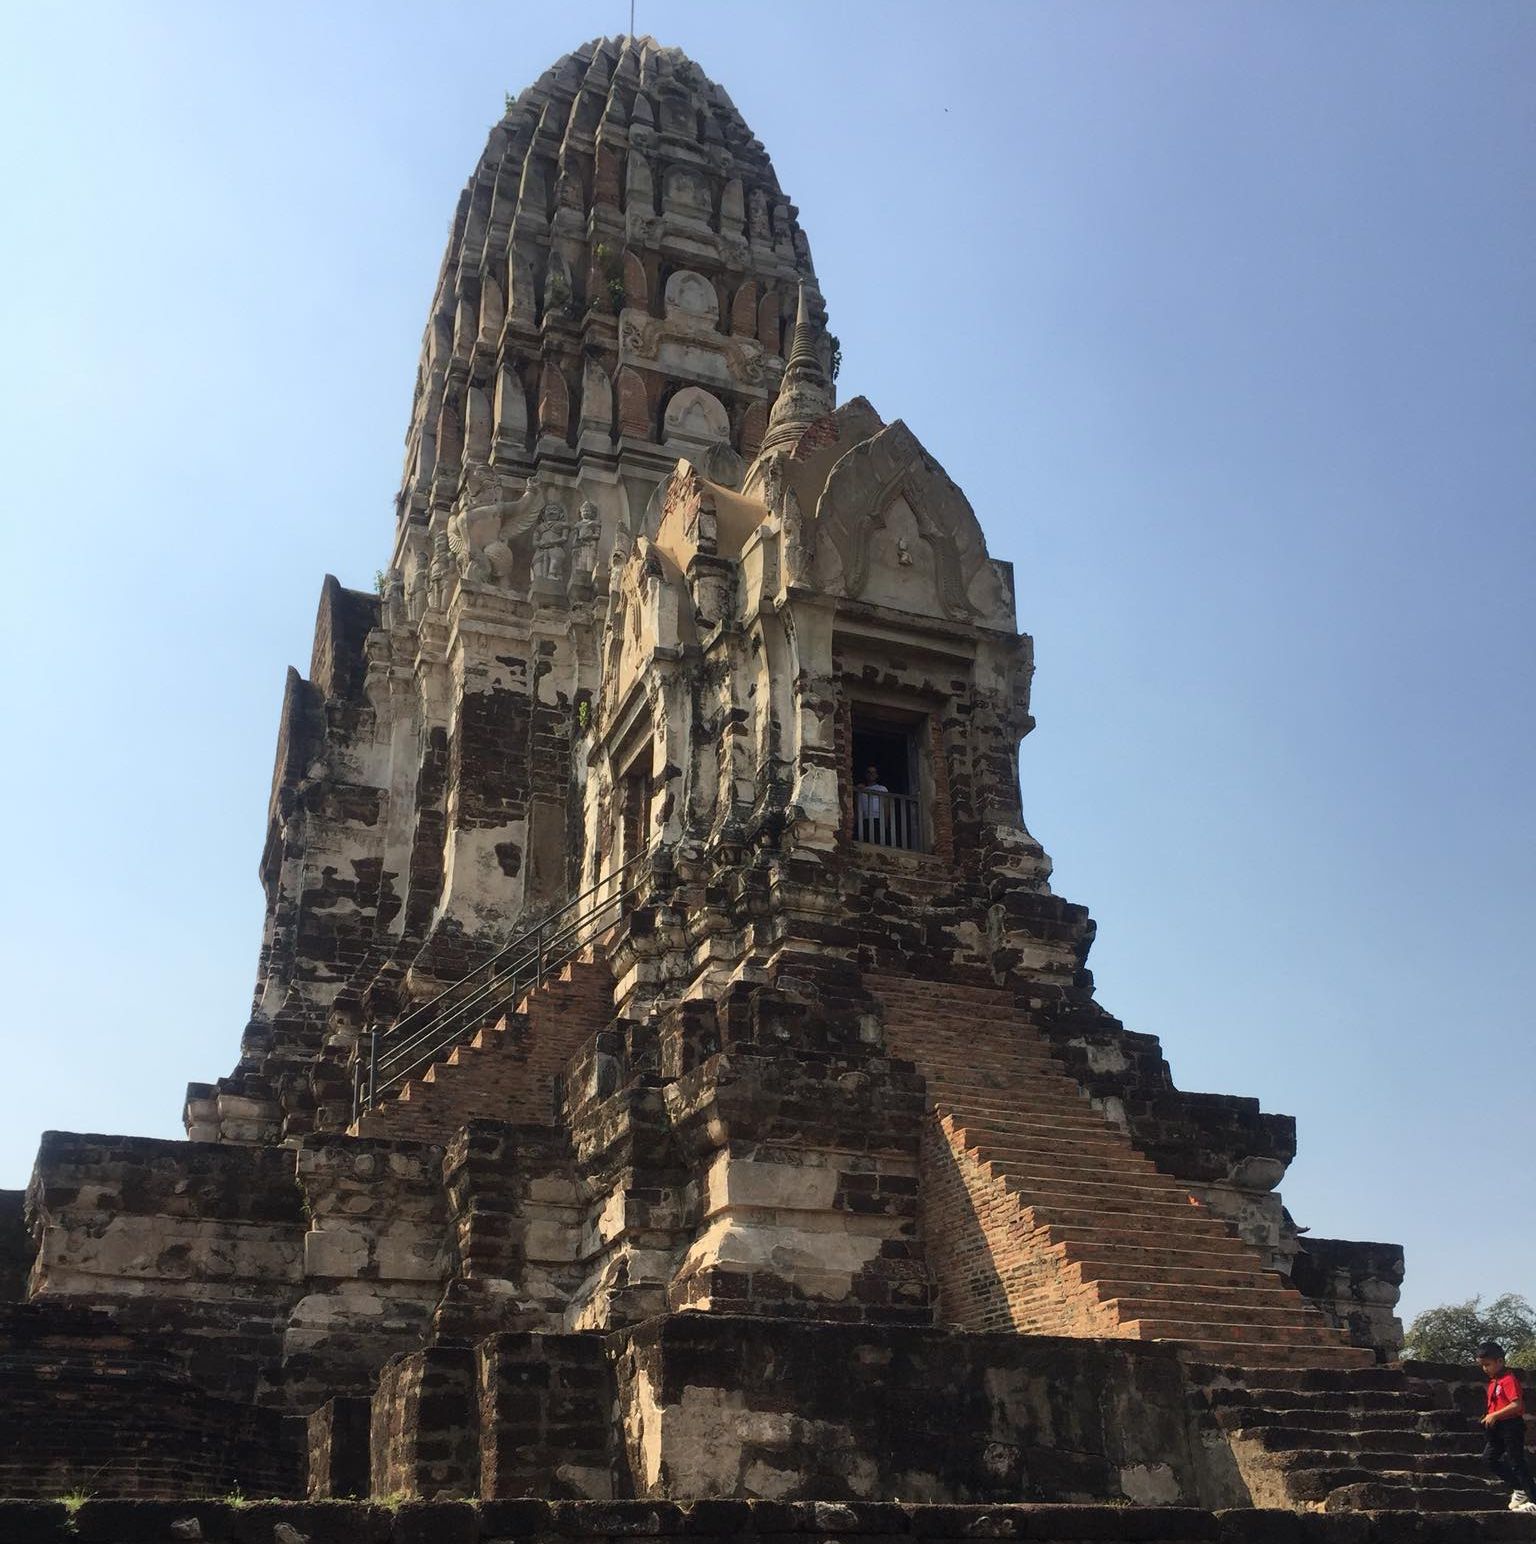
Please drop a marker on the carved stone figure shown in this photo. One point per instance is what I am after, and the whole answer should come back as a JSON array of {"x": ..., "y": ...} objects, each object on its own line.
[
  {"x": 485, "y": 522},
  {"x": 416, "y": 587},
  {"x": 440, "y": 575},
  {"x": 616, "y": 561},
  {"x": 589, "y": 529},
  {"x": 549, "y": 555},
  {"x": 392, "y": 601}
]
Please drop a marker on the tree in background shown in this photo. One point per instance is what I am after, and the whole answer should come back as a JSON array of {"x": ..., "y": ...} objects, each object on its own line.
[{"x": 1453, "y": 1331}]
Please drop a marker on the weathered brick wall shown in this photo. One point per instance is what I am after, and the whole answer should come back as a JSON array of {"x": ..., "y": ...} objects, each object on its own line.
[
  {"x": 1230, "y": 1151},
  {"x": 1357, "y": 1286},
  {"x": 337, "y": 664},
  {"x": 803, "y": 1137},
  {"x": 547, "y": 1417},
  {"x": 16, "y": 1247},
  {"x": 517, "y": 1217},
  {"x": 992, "y": 1267},
  {"x": 87, "y": 1405},
  {"x": 204, "y": 1240},
  {"x": 425, "y": 1432},
  {"x": 774, "y": 1522},
  {"x": 717, "y": 1406},
  {"x": 338, "y": 1454},
  {"x": 188, "y": 1289},
  {"x": 377, "y": 1252}
]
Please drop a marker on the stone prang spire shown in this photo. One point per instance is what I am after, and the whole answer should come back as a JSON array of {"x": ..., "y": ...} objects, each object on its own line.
[{"x": 672, "y": 1076}]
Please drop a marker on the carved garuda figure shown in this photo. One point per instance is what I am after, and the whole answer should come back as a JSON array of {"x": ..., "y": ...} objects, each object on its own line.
[{"x": 486, "y": 521}]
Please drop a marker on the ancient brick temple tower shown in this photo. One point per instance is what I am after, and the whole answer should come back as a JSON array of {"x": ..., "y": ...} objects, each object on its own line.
[{"x": 671, "y": 1074}]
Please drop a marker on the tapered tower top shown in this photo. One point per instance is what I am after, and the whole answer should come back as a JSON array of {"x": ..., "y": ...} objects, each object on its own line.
[{"x": 620, "y": 287}]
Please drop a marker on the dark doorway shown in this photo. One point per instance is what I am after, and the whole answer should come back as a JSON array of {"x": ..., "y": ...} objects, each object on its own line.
[
  {"x": 636, "y": 786},
  {"x": 885, "y": 751},
  {"x": 887, "y": 784}
]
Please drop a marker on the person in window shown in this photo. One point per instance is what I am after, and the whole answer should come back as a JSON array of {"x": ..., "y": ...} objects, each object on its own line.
[{"x": 873, "y": 808}]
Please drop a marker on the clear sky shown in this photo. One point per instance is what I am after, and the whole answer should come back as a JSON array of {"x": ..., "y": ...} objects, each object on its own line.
[{"x": 1222, "y": 315}]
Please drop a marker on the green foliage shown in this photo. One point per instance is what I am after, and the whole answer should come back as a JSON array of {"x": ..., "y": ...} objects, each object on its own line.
[
  {"x": 73, "y": 1500},
  {"x": 236, "y": 1499},
  {"x": 379, "y": 580},
  {"x": 507, "y": 102},
  {"x": 610, "y": 264},
  {"x": 837, "y": 354},
  {"x": 1453, "y": 1331}
]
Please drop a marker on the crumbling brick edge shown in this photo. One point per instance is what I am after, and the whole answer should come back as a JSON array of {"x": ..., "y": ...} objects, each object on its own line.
[{"x": 467, "y": 1522}]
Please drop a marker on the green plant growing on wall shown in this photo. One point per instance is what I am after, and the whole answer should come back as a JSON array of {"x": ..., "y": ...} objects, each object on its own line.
[
  {"x": 836, "y": 366},
  {"x": 610, "y": 265}
]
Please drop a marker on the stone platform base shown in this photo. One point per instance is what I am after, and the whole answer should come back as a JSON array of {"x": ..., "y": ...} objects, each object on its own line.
[{"x": 712, "y": 1522}]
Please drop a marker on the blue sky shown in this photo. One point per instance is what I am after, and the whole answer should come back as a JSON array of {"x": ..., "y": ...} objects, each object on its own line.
[{"x": 1221, "y": 314}]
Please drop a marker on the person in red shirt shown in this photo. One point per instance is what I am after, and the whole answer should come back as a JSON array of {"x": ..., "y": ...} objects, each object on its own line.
[{"x": 1505, "y": 1426}]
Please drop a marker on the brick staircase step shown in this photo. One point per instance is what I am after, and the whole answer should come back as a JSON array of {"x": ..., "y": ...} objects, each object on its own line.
[
  {"x": 1237, "y": 1333},
  {"x": 1087, "y": 1151},
  {"x": 1454, "y": 1449},
  {"x": 1108, "y": 1194},
  {"x": 1134, "y": 1225},
  {"x": 1073, "y": 1175},
  {"x": 1347, "y": 1419},
  {"x": 1154, "y": 1261},
  {"x": 503, "y": 1065},
  {"x": 1274, "y": 1356},
  {"x": 1088, "y": 1247},
  {"x": 1215, "y": 1302},
  {"x": 1368, "y": 1439},
  {"x": 1214, "y": 1284},
  {"x": 1403, "y": 1495}
]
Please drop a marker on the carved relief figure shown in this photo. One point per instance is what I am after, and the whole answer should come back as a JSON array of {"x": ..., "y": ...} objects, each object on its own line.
[
  {"x": 549, "y": 544},
  {"x": 441, "y": 572},
  {"x": 392, "y": 600},
  {"x": 589, "y": 528},
  {"x": 485, "y": 522}
]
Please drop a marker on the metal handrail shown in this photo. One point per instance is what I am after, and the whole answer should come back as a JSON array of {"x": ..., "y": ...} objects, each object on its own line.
[
  {"x": 885, "y": 819},
  {"x": 418, "y": 1039}
]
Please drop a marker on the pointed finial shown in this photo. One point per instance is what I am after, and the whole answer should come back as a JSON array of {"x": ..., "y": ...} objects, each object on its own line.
[
  {"x": 802, "y": 343},
  {"x": 805, "y": 393}
]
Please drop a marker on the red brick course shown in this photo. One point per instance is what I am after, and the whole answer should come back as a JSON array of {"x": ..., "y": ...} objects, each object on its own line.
[
  {"x": 507, "y": 1071},
  {"x": 1040, "y": 1215}
]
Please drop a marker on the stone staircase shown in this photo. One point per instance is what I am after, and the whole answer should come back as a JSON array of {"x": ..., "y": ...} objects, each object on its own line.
[
  {"x": 1053, "y": 1221},
  {"x": 1401, "y": 1438},
  {"x": 507, "y": 1069}
]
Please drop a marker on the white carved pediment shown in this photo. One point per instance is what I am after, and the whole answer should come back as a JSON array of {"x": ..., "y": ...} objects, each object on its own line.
[
  {"x": 691, "y": 296},
  {"x": 889, "y": 506},
  {"x": 696, "y": 417}
]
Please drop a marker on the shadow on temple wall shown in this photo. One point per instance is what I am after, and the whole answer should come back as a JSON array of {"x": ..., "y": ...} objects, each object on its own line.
[{"x": 971, "y": 1294}]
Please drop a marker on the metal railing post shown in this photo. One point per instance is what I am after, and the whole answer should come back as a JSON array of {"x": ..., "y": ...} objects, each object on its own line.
[{"x": 416, "y": 1040}]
